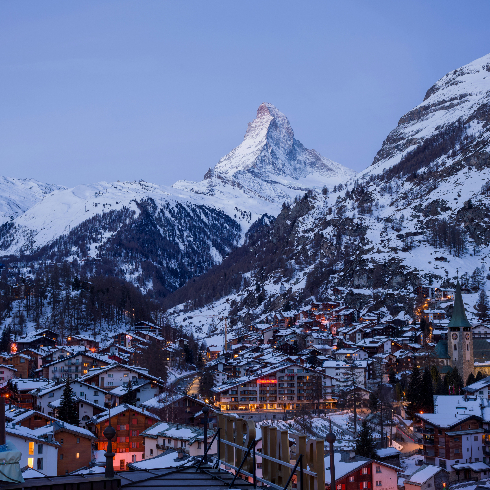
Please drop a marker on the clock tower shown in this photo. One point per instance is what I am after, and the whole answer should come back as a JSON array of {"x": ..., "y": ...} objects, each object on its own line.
[{"x": 460, "y": 338}]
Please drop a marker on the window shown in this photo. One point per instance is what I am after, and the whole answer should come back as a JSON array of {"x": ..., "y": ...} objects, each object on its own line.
[
  {"x": 78, "y": 440},
  {"x": 133, "y": 457},
  {"x": 476, "y": 438},
  {"x": 39, "y": 448},
  {"x": 134, "y": 445},
  {"x": 151, "y": 452},
  {"x": 351, "y": 478},
  {"x": 110, "y": 375},
  {"x": 456, "y": 450},
  {"x": 96, "y": 393},
  {"x": 122, "y": 464},
  {"x": 82, "y": 393},
  {"x": 365, "y": 471},
  {"x": 61, "y": 456},
  {"x": 31, "y": 448},
  {"x": 61, "y": 441},
  {"x": 198, "y": 445},
  {"x": 379, "y": 483},
  {"x": 134, "y": 433},
  {"x": 364, "y": 484},
  {"x": 30, "y": 462},
  {"x": 78, "y": 455},
  {"x": 51, "y": 395},
  {"x": 378, "y": 469},
  {"x": 39, "y": 463},
  {"x": 169, "y": 441}
]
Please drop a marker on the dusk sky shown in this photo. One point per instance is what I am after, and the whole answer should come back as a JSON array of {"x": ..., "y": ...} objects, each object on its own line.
[{"x": 160, "y": 91}]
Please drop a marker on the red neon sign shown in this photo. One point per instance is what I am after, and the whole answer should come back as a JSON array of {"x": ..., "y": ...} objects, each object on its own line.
[{"x": 266, "y": 381}]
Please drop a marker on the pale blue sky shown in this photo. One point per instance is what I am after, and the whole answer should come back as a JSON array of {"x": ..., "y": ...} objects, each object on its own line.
[{"x": 157, "y": 90}]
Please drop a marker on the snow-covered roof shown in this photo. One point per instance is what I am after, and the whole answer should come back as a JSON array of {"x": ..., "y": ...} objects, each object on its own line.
[
  {"x": 444, "y": 420},
  {"x": 386, "y": 452},
  {"x": 343, "y": 468},
  {"x": 423, "y": 474},
  {"x": 478, "y": 385},
  {"x": 176, "y": 431},
  {"x": 169, "y": 459},
  {"x": 102, "y": 417}
]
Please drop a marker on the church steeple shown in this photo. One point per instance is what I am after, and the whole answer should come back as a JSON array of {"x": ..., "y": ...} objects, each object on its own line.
[
  {"x": 459, "y": 315},
  {"x": 460, "y": 338}
]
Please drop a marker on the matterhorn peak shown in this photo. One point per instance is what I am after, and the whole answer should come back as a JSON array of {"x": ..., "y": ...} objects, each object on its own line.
[{"x": 270, "y": 152}]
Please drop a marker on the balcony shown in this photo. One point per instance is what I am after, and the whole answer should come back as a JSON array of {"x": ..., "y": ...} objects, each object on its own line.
[{"x": 428, "y": 431}]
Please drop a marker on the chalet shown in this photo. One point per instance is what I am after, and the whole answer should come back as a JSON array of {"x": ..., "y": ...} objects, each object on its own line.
[
  {"x": 32, "y": 419},
  {"x": 163, "y": 436},
  {"x": 75, "y": 450},
  {"x": 428, "y": 477},
  {"x": 129, "y": 423},
  {"x": 20, "y": 362},
  {"x": 182, "y": 409},
  {"x": 350, "y": 354},
  {"x": 22, "y": 389},
  {"x": 378, "y": 345},
  {"x": 83, "y": 341},
  {"x": 142, "y": 391},
  {"x": 41, "y": 338},
  {"x": 358, "y": 473},
  {"x": 453, "y": 435},
  {"x": 115, "y": 374},
  {"x": 72, "y": 367},
  {"x": 7, "y": 373},
  {"x": 38, "y": 452},
  {"x": 82, "y": 390}
]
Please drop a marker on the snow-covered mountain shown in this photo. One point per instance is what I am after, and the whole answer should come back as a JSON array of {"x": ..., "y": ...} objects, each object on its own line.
[
  {"x": 170, "y": 233},
  {"x": 270, "y": 163},
  {"x": 18, "y": 195},
  {"x": 419, "y": 212}
]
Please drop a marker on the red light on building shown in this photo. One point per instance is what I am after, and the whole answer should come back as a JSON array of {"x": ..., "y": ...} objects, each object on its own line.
[{"x": 266, "y": 381}]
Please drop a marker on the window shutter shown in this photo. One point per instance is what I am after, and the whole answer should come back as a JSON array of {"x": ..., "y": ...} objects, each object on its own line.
[
  {"x": 118, "y": 427},
  {"x": 118, "y": 439},
  {"x": 135, "y": 421},
  {"x": 369, "y": 484},
  {"x": 137, "y": 444}
]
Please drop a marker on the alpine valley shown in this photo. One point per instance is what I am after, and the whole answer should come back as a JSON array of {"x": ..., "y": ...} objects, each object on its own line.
[{"x": 274, "y": 225}]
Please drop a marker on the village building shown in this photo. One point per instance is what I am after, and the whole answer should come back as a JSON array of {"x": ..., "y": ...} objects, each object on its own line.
[
  {"x": 129, "y": 422},
  {"x": 282, "y": 387},
  {"x": 163, "y": 436},
  {"x": 37, "y": 452}
]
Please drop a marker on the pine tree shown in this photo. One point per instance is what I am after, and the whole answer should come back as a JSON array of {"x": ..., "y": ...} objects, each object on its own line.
[
  {"x": 482, "y": 306},
  {"x": 479, "y": 376},
  {"x": 427, "y": 392},
  {"x": 471, "y": 379},
  {"x": 373, "y": 401},
  {"x": 206, "y": 383},
  {"x": 455, "y": 383},
  {"x": 392, "y": 377},
  {"x": 5, "y": 340},
  {"x": 413, "y": 391},
  {"x": 130, "y": 396},
  {"x": 365, "y": 441},
  {"x": 68, "y": 411}
]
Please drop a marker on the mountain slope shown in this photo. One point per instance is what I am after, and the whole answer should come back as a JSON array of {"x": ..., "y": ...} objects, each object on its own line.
[
  {"x": 160, "y": 237},
  {"x": 420, "y": 212}
]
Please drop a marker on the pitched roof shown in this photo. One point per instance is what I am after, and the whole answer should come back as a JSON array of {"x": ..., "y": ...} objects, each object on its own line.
[{"x": 458, "y": 319}]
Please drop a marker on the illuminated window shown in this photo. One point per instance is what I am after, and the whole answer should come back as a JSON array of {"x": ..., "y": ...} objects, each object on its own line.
[
  {"x": 78, "y": 455},
  {"x": 30, "y": 462},
  {"x": 31, "y": 448}
]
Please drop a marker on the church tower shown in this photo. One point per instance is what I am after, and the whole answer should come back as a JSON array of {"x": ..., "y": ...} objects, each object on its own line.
[{"x": 460, "y": 338}]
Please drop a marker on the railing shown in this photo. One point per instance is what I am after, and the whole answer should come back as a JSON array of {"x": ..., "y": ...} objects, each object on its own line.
[{"x": 250, "y": 451}]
